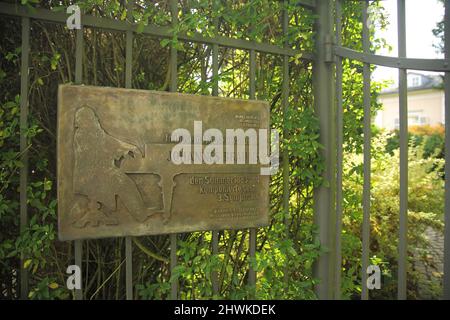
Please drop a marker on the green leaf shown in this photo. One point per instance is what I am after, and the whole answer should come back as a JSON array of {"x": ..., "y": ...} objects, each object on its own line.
[{"x": 27, "y": 263}]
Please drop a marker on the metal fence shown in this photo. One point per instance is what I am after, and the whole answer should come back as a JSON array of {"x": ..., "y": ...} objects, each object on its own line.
[
  {"x": 327, "y": 84},
  {"x": 402, "y": 64}
]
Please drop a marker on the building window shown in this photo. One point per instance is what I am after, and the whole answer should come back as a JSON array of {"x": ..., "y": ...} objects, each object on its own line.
[
  {"x": 414, "y": 119},
  {"x": 414, "y": 81}
]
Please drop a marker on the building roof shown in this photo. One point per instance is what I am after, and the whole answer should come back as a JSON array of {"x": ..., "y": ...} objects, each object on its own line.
[{"x": 426, "y": 81}]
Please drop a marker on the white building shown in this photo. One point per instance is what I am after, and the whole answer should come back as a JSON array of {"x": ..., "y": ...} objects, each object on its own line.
[{"x": 425, "y": 102}]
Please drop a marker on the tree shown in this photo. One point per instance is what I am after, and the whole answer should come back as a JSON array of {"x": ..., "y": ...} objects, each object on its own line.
[{"x": 438, "y": 32}]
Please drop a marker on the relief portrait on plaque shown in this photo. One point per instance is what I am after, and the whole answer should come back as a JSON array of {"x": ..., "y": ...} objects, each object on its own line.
[
  {"x": 116, "y": 175},
  {"x": 98, "y": 177}
]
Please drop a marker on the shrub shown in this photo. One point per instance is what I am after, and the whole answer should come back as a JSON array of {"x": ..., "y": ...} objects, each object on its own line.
[
  {"x": 431, "y": 137},
  {"x": 425, "y": 208}
]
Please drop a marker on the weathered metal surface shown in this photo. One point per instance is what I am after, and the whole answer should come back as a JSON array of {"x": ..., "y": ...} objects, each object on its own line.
[
  {"x": 152, "y": 30},
  {"x": 115, "y": 176}
]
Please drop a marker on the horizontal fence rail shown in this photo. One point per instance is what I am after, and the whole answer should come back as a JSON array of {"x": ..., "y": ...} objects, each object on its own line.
[
  {"x": 157, "y": 31},
  {"x": 437, "y": 65}
]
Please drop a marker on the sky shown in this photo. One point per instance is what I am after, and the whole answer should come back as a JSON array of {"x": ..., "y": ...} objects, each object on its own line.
[{"x": 421, "y": 19}]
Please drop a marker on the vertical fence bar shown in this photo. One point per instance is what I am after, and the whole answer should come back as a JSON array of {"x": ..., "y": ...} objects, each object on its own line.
[
  {"x": 403, "y": 111},
  {"x": 78, "y": 80},
  {"x": 129, "y": 268},
  {"x": 446, "y": 283},
  {"x": 215, "y": 251},
  {"x": 252, "y": 231},
  {"x": 78, "y": 261},
  {"x": 323, "y": 88},
  {"x": 128, "y": 84},
  {"x": 339, "y": 154},
  {"x": 79, "y": 56},
  {"x": 285, "y": 108},
  {"x": 215, "y": 69},
  {"x": 24, "y": 64},
  {"x": 215, "y": 92},
  {"x": 173, "y": 264},
  {"x": 367, "y": 153},
  {"x": 215, "y": 233},
  {"x": 173, "y": 88}
]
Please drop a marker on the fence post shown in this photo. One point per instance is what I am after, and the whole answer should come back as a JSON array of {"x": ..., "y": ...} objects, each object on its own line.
[
  {"x": 173, "y": 88},
  {"x": 403, "y": 112},
  {"x": 365, "y": 232},
  {"x": 79, "y": 48},
  {"x": 323, "y": 88},
  {"x": 339, "y": 155},
  {"x": 24, "y": 83},
  {"x": 128, "y": 84}
]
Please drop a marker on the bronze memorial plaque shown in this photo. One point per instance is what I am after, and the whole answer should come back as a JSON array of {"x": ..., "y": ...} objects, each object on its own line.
[{"x": 117, "y": 173}]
